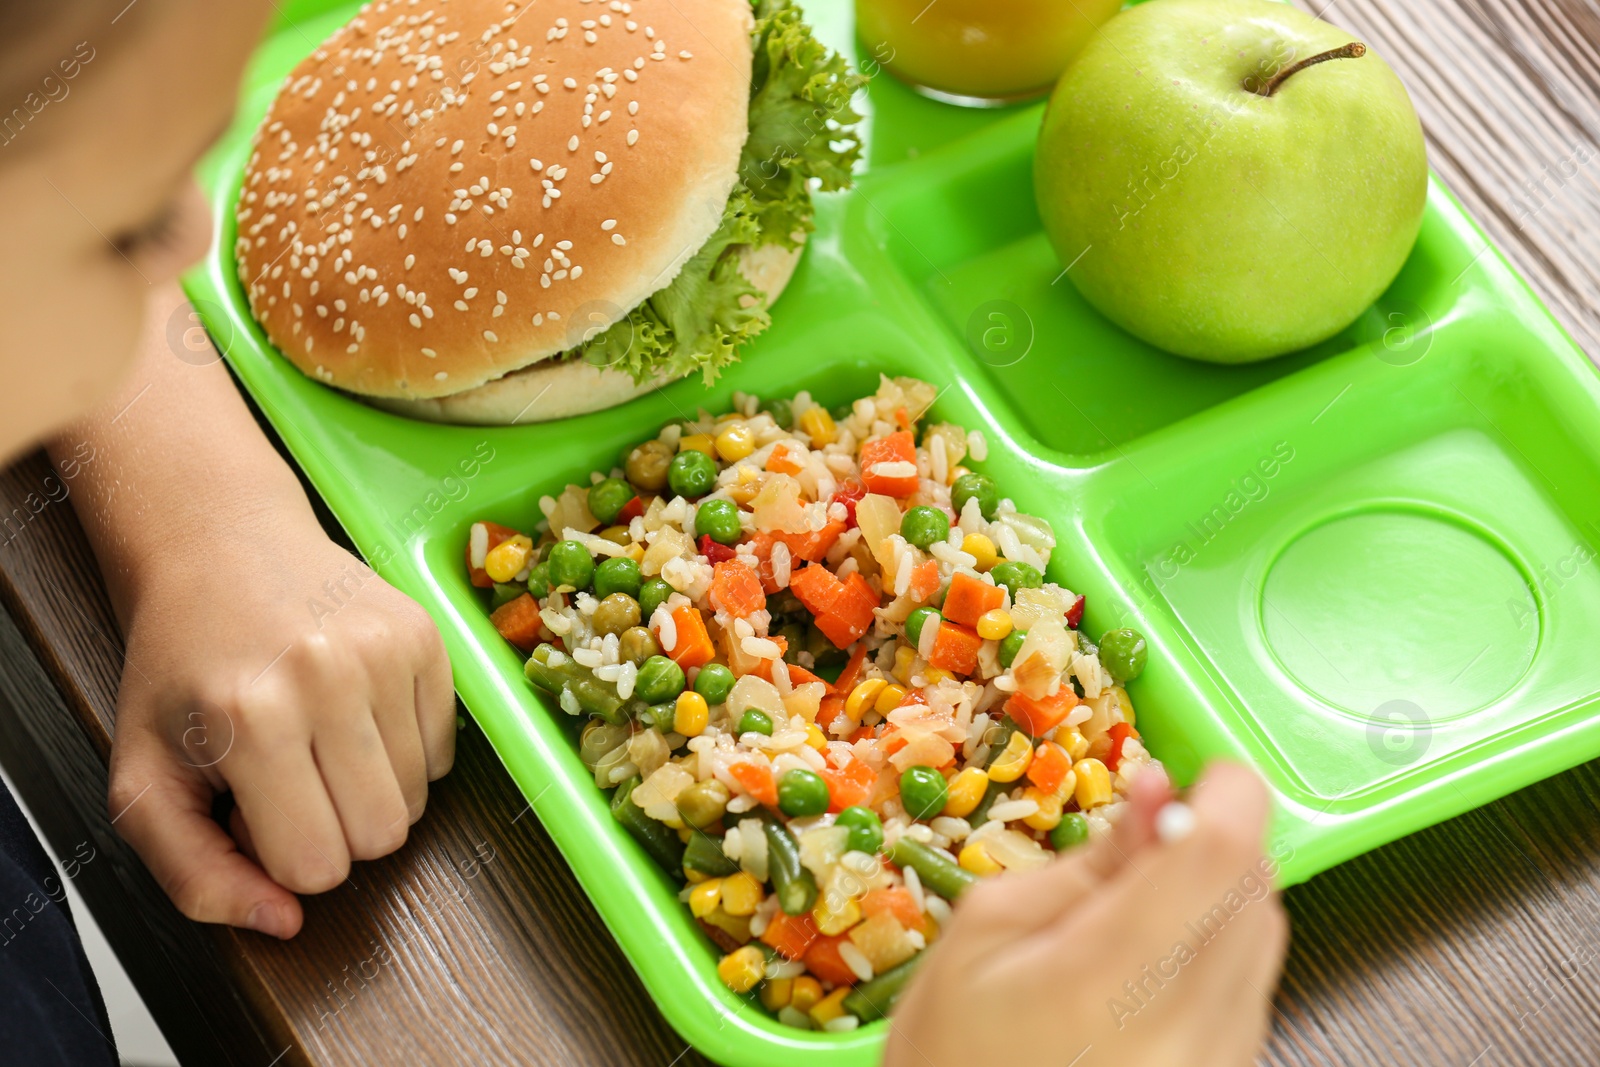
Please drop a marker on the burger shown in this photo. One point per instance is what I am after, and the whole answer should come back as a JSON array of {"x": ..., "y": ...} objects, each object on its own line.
[{"x": 490, "y": 212}]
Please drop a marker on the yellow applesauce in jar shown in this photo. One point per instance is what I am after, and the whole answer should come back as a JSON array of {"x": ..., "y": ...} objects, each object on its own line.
[{"x": 979, "y": 52}]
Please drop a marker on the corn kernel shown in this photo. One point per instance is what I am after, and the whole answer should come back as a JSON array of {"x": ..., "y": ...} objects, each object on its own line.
[
  {"x": 704, "y": 898},
  {"x": 690, "y": 714},
  {"x": 966, "y": 792},
  {"x": 741, "y": 894},
  {"x": 742, "y": 969},
  {"x": 776, "y": 993},
  {"x": 635, "y": 552},
  {"x": 736, "y": 442},
  {"x": 818, "y": 425},
  {"x": 835, "y": 913},
  {"x": 1014, "y": 759},
  {"x": 815, "y": 737},
  {"x": 935, "y": 675},
  {"x": 982, "y": 549},
  {"x": 994, "y": 625},
  {"x": 805, "y": 994},
  {"x": 976, "y": 858},
  {"x": 863, "y": 697},
  {"x": 889, "y": 699},
  {"x": 507, "y": 559},
  {"x": 1069, "y": 738},
  {"x": 903, "y": 658},
  {"x": 1049, "y": 813},
  {"x": 684, "y": 832},
  {"x": 694, "y": 877},
  {"x": 1127, "y": 704},
  {"x": 617, "y": 535},
  {"x": 698, "y": 442},
  {"x": 1094, "y": 783},
  {"x": 829, "y": 1007},
  {"x": 957, "y": 471}
]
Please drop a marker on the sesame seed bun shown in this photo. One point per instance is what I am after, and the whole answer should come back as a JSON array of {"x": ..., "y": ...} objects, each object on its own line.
[
  {"x": 442, "y": 195},
  {"x": 562, "y": 388}
]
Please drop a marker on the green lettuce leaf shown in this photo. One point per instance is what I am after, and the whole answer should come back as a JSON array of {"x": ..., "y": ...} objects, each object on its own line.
[{"x": 800, "y": 135}]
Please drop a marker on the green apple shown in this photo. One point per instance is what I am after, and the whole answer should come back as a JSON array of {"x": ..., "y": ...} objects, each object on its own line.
[{"x": 1230, "y": 179}]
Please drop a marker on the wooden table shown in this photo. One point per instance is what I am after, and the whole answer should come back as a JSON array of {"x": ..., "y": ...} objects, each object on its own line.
[{"x": 1474, "y": 942}]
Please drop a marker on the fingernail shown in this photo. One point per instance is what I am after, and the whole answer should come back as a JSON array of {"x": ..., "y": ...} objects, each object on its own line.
[
  {"x": 266, "y": 918},
  {"x": 1174, "y": 822}
]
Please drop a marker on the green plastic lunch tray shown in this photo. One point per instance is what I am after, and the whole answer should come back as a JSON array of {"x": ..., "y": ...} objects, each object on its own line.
[{"x": 1366, "y": 569}]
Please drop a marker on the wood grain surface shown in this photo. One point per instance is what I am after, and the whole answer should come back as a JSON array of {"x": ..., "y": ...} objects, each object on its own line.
[{"x": 1475, "y": 942}]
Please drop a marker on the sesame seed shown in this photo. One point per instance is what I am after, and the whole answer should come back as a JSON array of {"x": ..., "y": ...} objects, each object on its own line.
[
  {"x": 411, "y": 261},
  {"x": 633, "y": 107},
  {"x": 416, "y": 320},
  {"x": 618, "y": 239},
  {"x": 633, "y": 138},
  {"x": 572, "y": 143},
  {"x": 488, "y": 335},
  {"x": 685, "y": 55},
  {"x": 441, "y": 376},
  {"x": 570, "y": 83},
  {"x": 609, "y": 224},
  {"x": 596, "y": 179},
  {"x": 430, "y": 353}
]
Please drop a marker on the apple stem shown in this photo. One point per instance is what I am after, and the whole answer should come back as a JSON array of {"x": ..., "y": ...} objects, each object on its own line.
[{"x": 1353, "y": 50}]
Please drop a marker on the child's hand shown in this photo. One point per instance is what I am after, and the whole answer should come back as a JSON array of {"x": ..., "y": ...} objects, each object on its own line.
[
  {"x": 301, "y": 682},
  {"x": 1129, "y": 952}
]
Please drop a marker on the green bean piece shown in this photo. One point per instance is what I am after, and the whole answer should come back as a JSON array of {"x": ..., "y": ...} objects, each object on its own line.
[
  {"x": 938, "y": 873},
  {"x": 657, "y": 838},
  {"x": 991, "y": 793},
  {"x": 504, "y": 593},
  {"x": 704, "y": 854},
  {"x": 872, "y": 999},
  {"x": 792, "y": 883},
  {"x": 554, "y": 676}
]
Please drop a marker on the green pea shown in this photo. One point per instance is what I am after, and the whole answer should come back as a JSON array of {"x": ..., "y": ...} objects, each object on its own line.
[
  {"x": 866, "y": 831},
  {"x": 782, "y": 412},
  {"x": 1015, "y": 576},
  {"x": 615, "y": 615},
  {"x": 571, "y": 564},
  {"x": 1070, "y": 832},
  {"x": 504, "y": 594},
  {"x": 608, "y": 498},
  {"x": 539, "y": 581},
  {"x": 923, "y": 792},
  {"x": 691, "y": 473},
  {"x": 714, "y": 682},
  {"x": 719, "y": 520},
  {"x": 1011, "y": 645},
  {"x": 916, "y": 621},
  {"x": 802, "y": 793},
  {"x": 922, "y": 526},
  {"x": 755, "y": 721},
  {"x": 652, "y": 595},
  {"x": 638, "y": 644},
  {"x": 619, "y": 574},
  {"x": 1123, "y": 653},
  {"x": 979, "y": 487},
  {"x": 840, "y": 412},
  {"x": 659, "y": 680}
]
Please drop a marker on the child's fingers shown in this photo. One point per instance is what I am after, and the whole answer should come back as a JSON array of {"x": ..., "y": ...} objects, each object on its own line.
[
  {"x": 164, "y": 811},
  {"x": 435, "y": 702},
  {"x": 394, "y": 711},
  {"x": 278, "y": 786},
  {"x": 359, "y": 771}
]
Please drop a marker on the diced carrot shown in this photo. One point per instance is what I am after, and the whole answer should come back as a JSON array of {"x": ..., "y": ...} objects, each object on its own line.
[
  {"x": 1049, "y": 767},
  {"x": 895, "y": 448},
  {"x": 800, "y": 676},
  {"x": 850, "y": 615},
  {"x": 1119, "y": 733},
  {"x": 518, "y": 622},
  {"x": 824, "y": 961},
  {"x": 757, "y": 781},
  {"x": 828, "y": 713},
  {"x": 790, "y": 935},
  {"x": 497, "y": 534},
  {"x": 861, "y": 734},
  {"x": 969, "y": 598},
  {"x": 893, "y": 742},
  {"x": 813, "y": 545},
  {"x": 760, "y": 546},
  {"x": 797, "y": 675},
  {"x": 955, "y": 649},
  {"x": 780, "y": 460},
  {"x": 902, "y": 417},
  {"x": 897, "y": 902},
  {"x": 738, "y": 589},
  {"x": 1044, "y": 714},
  {"x": 924, "y": 581},
  {"x": 817, "y": 588},
  {"x": 694, "y": 647},
  {"x": 852, "y": 671},
  {"x": 850, "y": 784}
]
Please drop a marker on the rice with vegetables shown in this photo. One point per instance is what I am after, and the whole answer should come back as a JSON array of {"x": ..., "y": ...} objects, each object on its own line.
[{"x": 826, "y": 679}]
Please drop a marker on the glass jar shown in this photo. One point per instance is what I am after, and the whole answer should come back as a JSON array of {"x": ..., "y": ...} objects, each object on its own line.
[{"x": 979, "y": 53}]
